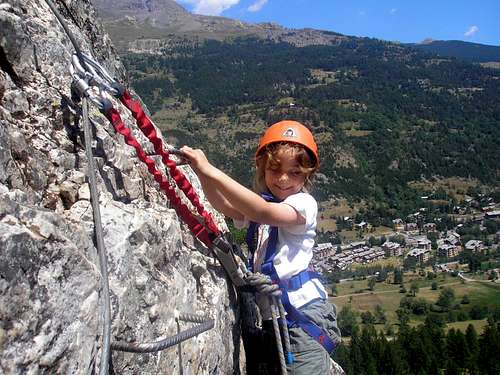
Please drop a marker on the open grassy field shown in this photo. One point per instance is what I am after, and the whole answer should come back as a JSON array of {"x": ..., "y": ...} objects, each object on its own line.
[
  {"x": 331, "y": 209},
  {"x": 354, "y": 235},
  {"x": 454, "y": 186},
  {"x": 462, "y": 326},
  {"x": 386, "y": 262},
  {"x": 389, "y": 300},
  {"x": 388, "y": 296},
  {"x": 358, "y": 133}
]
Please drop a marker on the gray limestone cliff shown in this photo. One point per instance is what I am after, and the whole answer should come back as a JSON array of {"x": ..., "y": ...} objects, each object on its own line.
[{"x": 50, "y": 300}]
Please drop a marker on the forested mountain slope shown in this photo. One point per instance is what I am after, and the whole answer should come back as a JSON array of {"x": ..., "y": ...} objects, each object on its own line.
[
  {"x": 384, "y": 114},
  {"x": 472, "y": 52}
]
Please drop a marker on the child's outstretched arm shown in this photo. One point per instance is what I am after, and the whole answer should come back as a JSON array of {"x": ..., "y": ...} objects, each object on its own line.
[{"x": 233, "y": 196}]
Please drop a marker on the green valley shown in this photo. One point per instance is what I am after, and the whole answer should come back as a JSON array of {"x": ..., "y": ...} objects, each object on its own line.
[{"x": 386, "y": 116}]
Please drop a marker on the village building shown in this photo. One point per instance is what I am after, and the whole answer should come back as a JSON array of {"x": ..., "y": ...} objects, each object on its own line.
[
  {"x": 345, "y": 248},
  {"x": 477, "y": 218},
  {"x": 429, "y": 227},
  {"x": 448, "y": 250},
  {"x": 327, "y": 260},
  {"x": 452, "y": 237},
  {"x": 493, "y": 214},
  {"x": 460, "y": 210},
  {"x": 363, "y": 226},
  {"x": 398, "y": 225},
  {"x": 449, "y": 246},
  {"x": 419, "y": 242},
  {"x": 421, "y": 255},
  {"x": 411, "y": 228},
  {"x": 392, "y": 249},
  {"x": 353, "y": 245},
  {"x": 323, "y": 250},
  {"x": 490, "y": 207},
  {"x": 425, "y": 244},
  {"x": 474, "y": 246}
]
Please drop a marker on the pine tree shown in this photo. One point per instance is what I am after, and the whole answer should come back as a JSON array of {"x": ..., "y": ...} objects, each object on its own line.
[
  {"x": 398, "y": 276},
  {"x": 380, "y": 314},
  {"x": 456, "y": 348},
  {"x": 489, "y": 344},
  {"x": 473, "y": 346},
  {"x": 371, "y": 283},
  {"x": 369, "y": 349},
  {"x": 356, "y": 356},
  {"x": 342, "y": 357},
  {"x": 347, "y": 320},
  {"x": 414, "y": 288},
  {"x": 392, "y": 360}
]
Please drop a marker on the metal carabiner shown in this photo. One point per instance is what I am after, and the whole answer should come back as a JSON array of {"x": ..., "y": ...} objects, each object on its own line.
[
  {"x": 75, "y": 65},
  {"x": 98, "y": 67},
  {"x": 92, "y": 72}
]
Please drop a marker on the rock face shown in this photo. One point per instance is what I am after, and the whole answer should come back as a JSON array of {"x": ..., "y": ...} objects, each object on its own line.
[
  {"x": 50, "y": 299},
  {"x": 160, "y": 12}
]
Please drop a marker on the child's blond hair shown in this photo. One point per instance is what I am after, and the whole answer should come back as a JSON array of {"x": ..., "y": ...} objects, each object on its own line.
[{"x": 306, "y": 162}]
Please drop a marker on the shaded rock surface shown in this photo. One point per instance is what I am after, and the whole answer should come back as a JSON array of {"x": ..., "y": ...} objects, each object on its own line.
[{"x": 50, "y": 301}]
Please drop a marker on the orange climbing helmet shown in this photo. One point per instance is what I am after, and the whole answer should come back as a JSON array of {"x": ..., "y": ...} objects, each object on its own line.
[{"x": 289, "y": 131}]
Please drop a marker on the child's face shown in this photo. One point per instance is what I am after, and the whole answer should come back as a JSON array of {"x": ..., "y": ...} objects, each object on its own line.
[{"x": 283, "y": 175}]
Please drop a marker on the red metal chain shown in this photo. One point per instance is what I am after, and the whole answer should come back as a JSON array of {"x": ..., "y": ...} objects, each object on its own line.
[
  {"x": 199, "y": 230},
  {"x": 180, "y": 179}
]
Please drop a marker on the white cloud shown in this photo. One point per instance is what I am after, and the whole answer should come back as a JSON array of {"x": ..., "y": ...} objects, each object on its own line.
[
  {"x": 472, "y": 31},
  {"x": 210, "y": 7},
  {"x": 393, "y": 11},
  {"x": 255, "y": 7}
]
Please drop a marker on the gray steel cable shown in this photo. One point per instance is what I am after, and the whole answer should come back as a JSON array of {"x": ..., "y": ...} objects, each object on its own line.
[
  {"x": 193, "y": 318},
  {"x": 284, "y": 328},
  {"x": 65, "y": 27},
  {"x": 103, "y": 262},
  {"x": 94, "y": 194},
  {"x": 204, "y": 324}
]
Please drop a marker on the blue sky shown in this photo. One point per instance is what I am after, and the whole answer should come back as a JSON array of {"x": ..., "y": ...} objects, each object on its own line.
[{"x": 404, "y": 21}]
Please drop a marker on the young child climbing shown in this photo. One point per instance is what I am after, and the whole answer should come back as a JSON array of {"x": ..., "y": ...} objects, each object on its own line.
[{"x": 281, "y": 223}]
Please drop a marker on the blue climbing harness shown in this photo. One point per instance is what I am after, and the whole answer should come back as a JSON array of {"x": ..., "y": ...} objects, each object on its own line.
[{"x": 294, "y": 316}]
